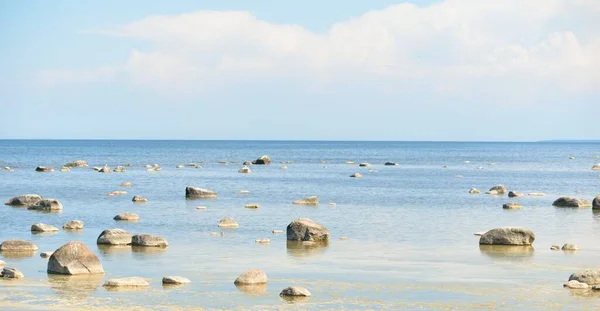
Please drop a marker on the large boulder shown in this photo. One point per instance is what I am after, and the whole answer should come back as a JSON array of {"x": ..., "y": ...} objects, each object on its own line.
[
  {"x": 44, "y": 169},
  {"x": 25, "y": 200},
  {"x": 507, "y": 236},
  {"x": 74, "y": 258},
  {"x": 254, "y": 276},
  {"x": 304, "y": 229},
  {"x": 77, "y": 163},
  {"x": 571, "y": 202},
  {"x": 199, "y": 193},
  {"x": 499, "y": 189},
  {"x": 40, "y": 227},
  {"x": 596, "y": 203},
  {"x": 590, "y": 276},
  {"x": 148, "y": 240},
  {"x": 262, "y": 160},
  {"x": 18, "y": 246},
  {"x": 126, "y": 282},
  {"x": 11, "y": 273},
  {"x": 114, "y": 237},
  {"x": 312, "y": 200},
  {"x": 48, "y": 205}
]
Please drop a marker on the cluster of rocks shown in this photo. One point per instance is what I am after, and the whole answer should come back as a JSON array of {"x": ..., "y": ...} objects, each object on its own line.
[
  {"x": 35, "y": 202},
  {"x": 122, "y": 237}
]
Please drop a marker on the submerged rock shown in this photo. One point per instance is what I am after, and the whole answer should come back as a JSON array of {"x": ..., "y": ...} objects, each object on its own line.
[
  {"x": 74, "y": 258},
  {"x": 244, "y": 170},
  {"x": 304, "y": 229},
  {"x": 119, "y": 169},
  {"x": 536, "y": 194},
  {"x": 127, "y": 217},
  {"x": 175, "y": 280},
  {"x": 295, "y": 291},
  {"x": 474, "y": 191},
  {"x": 590, "y": 276},
  {"x": 73, "y": 225},
  {"x": 46, "y": 254},
  {"x": 49, "y": 205},
  {"x": 570, "y": 247},
  {"x": 596, "y": 167},
  {"x": 65, "y": 169},
  {"x": 499, "y": 189},
  {"x": 126, "y": 184},
  {"x": 199, "y": 193},
  {"x": 114, "y": 237},
  {"x": 262, "y": 241},
  {"x": 508, "y": 236},
  {"x": 515, "y": 194},
  {"x": 228, "y": 222},
  {"x": 139, "y": 199},
  {"x": 253, "y": 205},
  {"x": 365, "y": 164},
  {"x": 511, "y": 206},
  {"x": 126, "y": 282},
  {"x": 571, "y": 202},
  {"x": 40, "y": 227},
  {"x": 554, "y": 247},
  {"x": 247, "y": 163},
  {"x": 391, "y": 164},
  {"x": 44, "y": 169},
  {"x": 254, "y": 276},
  {"x": 576, "y": 285},
  {"x": 148, "y": 240},
  {"x": 116, "y": 193},
  {"x": 17, "y": 246},
  {"x": 25, "y": 200},
  {"x": 356, "y": 175},
  {"x": 11, "y": 273},
  {"x": 596, "y": 202},
  {"x": 77, "y": 163},
  {"x": 262, "y": 160},
  {"x": 312, "y": 200}
]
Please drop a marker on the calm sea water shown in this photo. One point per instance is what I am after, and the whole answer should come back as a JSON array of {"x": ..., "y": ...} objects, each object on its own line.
[{"x": 410, "y": 228}]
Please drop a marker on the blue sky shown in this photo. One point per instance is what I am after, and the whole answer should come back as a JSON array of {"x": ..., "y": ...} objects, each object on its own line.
[{"x": 348, "y": 70}]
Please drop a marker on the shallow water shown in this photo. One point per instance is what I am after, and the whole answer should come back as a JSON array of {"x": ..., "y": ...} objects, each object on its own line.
[{"x": 410, "y": 228}]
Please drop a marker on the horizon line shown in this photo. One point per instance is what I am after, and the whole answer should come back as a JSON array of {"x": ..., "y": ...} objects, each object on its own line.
[{"x": 306, "y": 140}]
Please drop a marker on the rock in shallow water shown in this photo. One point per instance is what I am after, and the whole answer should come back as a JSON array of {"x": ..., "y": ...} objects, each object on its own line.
[
  {"x": 254, "y": 276},
  {"x": 554, "y": 247},
  {"x": 18, "y": 246},
  {"x": 77, "y": 163},
  {"x": 571, "y": 202},
  {"x": 127, "y": 217},
  {"x": 25, "y": 200},
  {"x": 596, "y": 202},
  {"x": 252, "y": 205},
  {"x": 474, "y": 191},
  {"x": 138, "y": 199},
  {"x": 515, "y": 194},
  {"x": 511, "y": 206},
  {"x": 590, "y": 276},
  {"x": 11, "y": 273},
  {"x": 304, "y": 229},
  {"x": 295, "y": 291},
  {"x": 116, "y": 193},
  {"x": 508, "y": 236},
  {"x": 244, "y": 170},
  {"x": 175, "y": 280},
  {"x": 264, "y": 160},
  {"x": 312, "y": 200},
  {"x": 73, "y": 225},
  {"x": 114, "y": 237},
  {"x": 44, "y": 169},
  {"x": 46, "y": 254},
  {"x": 356, "y": 175},
  {"x": 74, "y": 258},
  {"x": 576, "y": 285},
  {"x": 127, "y": 282},
  {"x": 228, "y": 222},
  {"x": 148, "y": 240},
  {"x": 40, "y": 227},
  {"x": 199, "y": 193},
  {"x": 499, "y": 189},
  {"x": 570, "y": 247},
  {"x": 48, "y": 205}
]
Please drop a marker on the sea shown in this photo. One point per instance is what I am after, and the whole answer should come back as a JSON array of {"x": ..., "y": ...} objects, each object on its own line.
[{"x": 401, "y": 237}]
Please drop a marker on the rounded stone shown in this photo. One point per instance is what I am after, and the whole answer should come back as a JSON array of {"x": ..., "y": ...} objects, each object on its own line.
[
  {"x": 295, "y": 291},
  {"x": 254, "y": 276},
  {"x": 304, "y": 229},
  {"x": 40, "y": 227},
  {"x": 49, "y": 205},
  {"x": 148, "y": 240},
  {"x": 508, "y": 236},
  {"x": 114, "y": 237},
  {"x": 127, "y": 217},
  {"x": 18, "y": 246},
  {"x": 73, "y": 225},
  {"x": 199, "y": 193},
  {"x": 228, "y": 222},
  {"x": 74, "y": 258},
  {"x": 175, "y": 280},
  {"x": 126, "y": 282}
]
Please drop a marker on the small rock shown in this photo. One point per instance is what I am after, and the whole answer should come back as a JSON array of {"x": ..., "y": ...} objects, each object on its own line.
[
  {"x": 11, "y": 273},
  {"x": 571, "y": 202},
  {"x": 596, "y": 202},
  {"x": 511, "y": 206},
  {"x": 312, "y": 200},
  {"x": 554, "y": 247},
  {"x": 576, "y": 285},
  {"x": 18, "y": 246},
  {"x": 349, "y": 162},
  {"x": 262, "y": 160},
  {"x": 40, "y": 227},
  {"x": 44, "y": 169},
  {"x": 127, "y": 217},
  {"x": 119, "y": 169},
  {"x": 479, "y": 233},
  {"x": 277, "y": 231},
  {"x": 199, "y": 193},
  {"x": 243, "y": 192},
  {"x": 571, "y": 158},
  {"x": 459, "y": 176},
  {"x": 228, "y": 222},
  {"x": 73, "y": 225},
  {"x": 180, "y": 166},
  {"x": 356, "y": 175},
  {"x": 500, "y": 189},
  {"x": 104, "y": 169},
  {"x": 25, "y": 200},
  {"x": 536, "y": 194},
  {"x": 191, "y": 164},
  {"x": 148, "y": 240},
  {"x": 65, "y": 169},
  {"x": 263, "y": 241},
  {"x": 508, "y": 236},
  {"x": 201, "y": 207},
  {"x": 117, "y": 192},
  {"x": 474, "y": 191},
  {"x": 247, "y": 163},
  {"x": 332, "y": 204},
  {"x": 364, "y": 164},
  {"x": 596, "y": 167},
  {"x": 254, "y": 276},
  {"x": 515, "y": 194},
  {"x": 253, "y": 205},
  {"x": 2, "y": 263},
  {"x": 175, "y": 280},
  {"x": 283, "y": 167},
  {"x": 217, "y": 233},
  {"x": 74, "y": 258},
  {"x": 49, "y": 205},
  {"x": 114, "y": 237},
  {"x": 391, "y": 164},
  {"x": 46, "y": 254},
  {"x": 126, "y": 184},
  {"x": 127, "y": 282},
  {"x": 343, "y": 238},
  {"x": 138, "y": 199},
  {"x": 295, "y": 291},
  {"x": 244, "y": 170},
  {"x": 77, "y": 163},
  {"x": 570, "y": 247}
]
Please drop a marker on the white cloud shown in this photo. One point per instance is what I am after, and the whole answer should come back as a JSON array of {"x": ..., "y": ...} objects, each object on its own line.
[{"x": 446, "y": 47}]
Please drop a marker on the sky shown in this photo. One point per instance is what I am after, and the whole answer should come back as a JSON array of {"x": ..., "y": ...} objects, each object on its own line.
[{"x": 445, "y": 70}]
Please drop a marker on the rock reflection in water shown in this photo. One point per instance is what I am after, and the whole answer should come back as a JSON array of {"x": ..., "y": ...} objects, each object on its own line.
[
  {"x": 507, "y": 252},
  {"x": 305, "y": 249},
  {"x": 75, "y": 287},
  {"x": 252, "y": 290},
  {"x": 140, "y": 251},
  {"x": 294, "y": 299},
  {"x": 113, "y": 249},
  {"x": 17, "y": 254}
]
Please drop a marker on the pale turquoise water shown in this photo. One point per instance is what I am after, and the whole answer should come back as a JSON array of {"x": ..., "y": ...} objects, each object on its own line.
[{"x": 410, "y": 228}]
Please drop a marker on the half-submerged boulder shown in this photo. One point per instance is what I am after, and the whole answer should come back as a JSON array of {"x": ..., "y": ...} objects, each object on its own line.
[
  {"x": 148, "y": 240},
  {"x": 126, "y": 282},
  {"x": 356, "y": 175},
  {"x": 18, "y": 246},
  {"x": 127, "y": 217},
  {"x": 25, "y": 200},
  {"x": 312, "y": 200},
  {"x": 497, "y": 190},
  {"x": 596, "y": 167},
  {"x": 391, "y": 164},
  {"x": 74, "y": 258},
  {"x": 304, "y": 229},
  {"x": 199, "y": 193},
  {"x": 571, "y": 202},
  {"x": 515, "y": 194},
  {"x": 228, "y": 222},
  {"x": 73, "y": 225},
  {"x": 596, "y": 203},
  {"x": 264, "y": 160},
  {"x": 590, "y": 276},
  {"x": 244, "y": 170},
  {"x": 40, "y": 227},
  {"x": 508, "y": 236},
  {"x": 474, "y": 191},
  {"x": 77, "y": 163},
  {"x": 114, "y": 237},
  {"x": 250, "y": 277},
  {"x": 511, "y": 206},
  {"x": 175, "y": 280},
  {"x": 295, "y": 291},
  {"x": 47, "y": 205},
  {"x": 11, "y": 273},
  {"x": 139, "y": 199},
  {"x": 119, "y": 169},
  {"x": 44, "y": 169}
]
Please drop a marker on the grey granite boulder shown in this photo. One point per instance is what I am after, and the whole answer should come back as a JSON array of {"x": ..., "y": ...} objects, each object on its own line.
[
  {"x": 590, "y": 276},
  {"x": 47, "y": 205},
  {"x": 114, "y": 237},
  {"x": 25, "y": 200},
  {"x": 304, "y": 229},
  {"x": 11, "y": 273},
  {"x": 264, "y": 160},
  {"x": 254, "y": 276},
  {"x": 148, "y": 240},
  {"x": 508, "y": 236},
  {"x": 199, "y": 193},
  {"x": 18, "y": 246},
  {"x": 571, "y": 202},
  {"x": 74, "y": 258},
  {"x": 295, "y": 291},
  {"x": 40, "y": 227}
]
